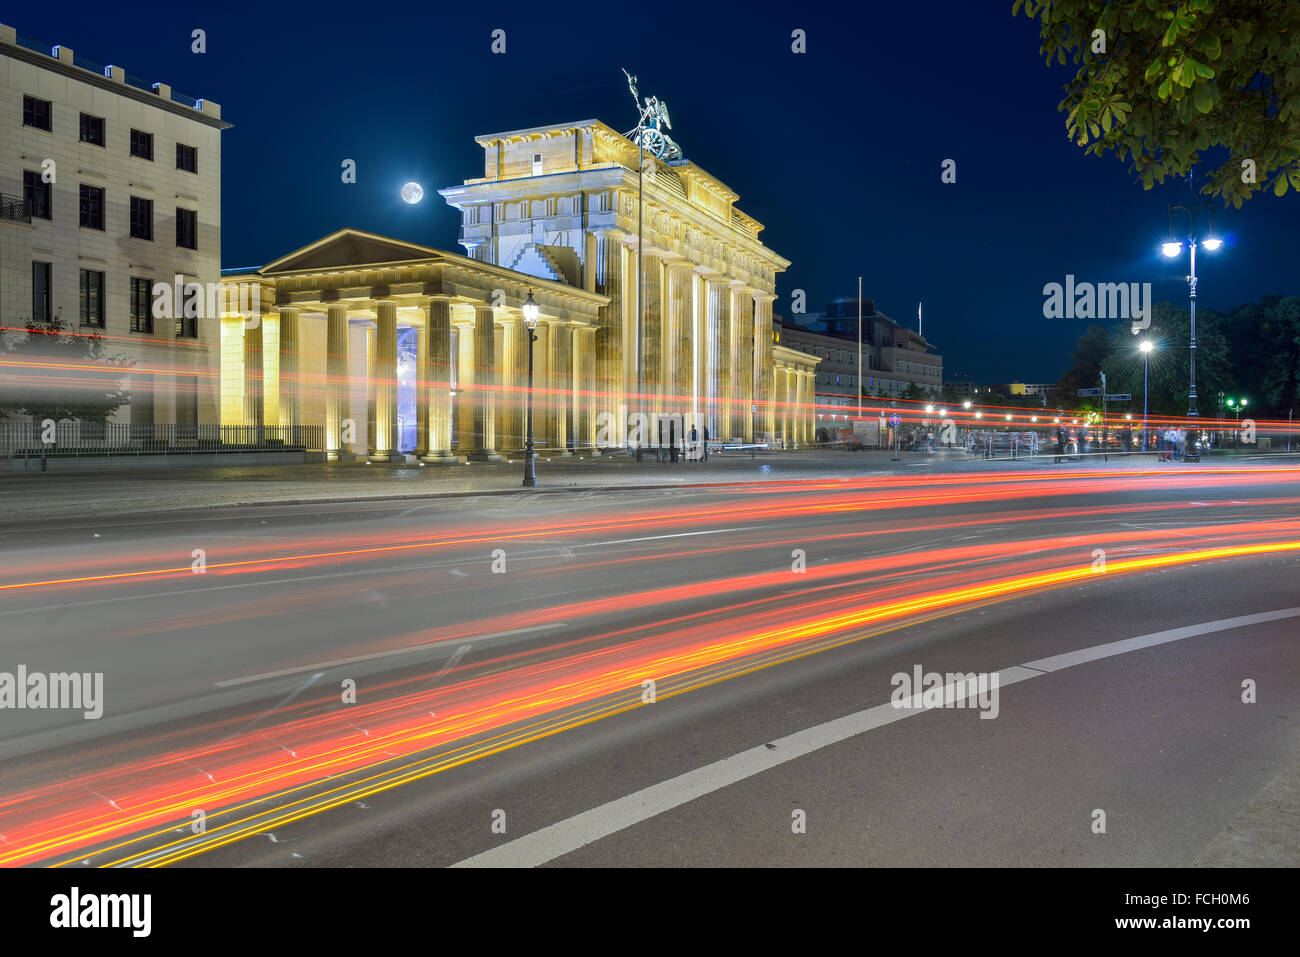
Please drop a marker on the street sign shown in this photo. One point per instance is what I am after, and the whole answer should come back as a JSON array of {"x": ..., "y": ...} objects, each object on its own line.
[
  {"x": 895, "y": 420},
  {"x": 1119, "y": 397},
  {"x": 1083, "y": 392}
]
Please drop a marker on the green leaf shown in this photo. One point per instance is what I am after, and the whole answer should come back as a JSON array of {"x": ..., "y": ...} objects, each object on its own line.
[
  {"x": 1202, "y": 69},
  {"x": 1163, "y": 90},
  {"x": 1279, "y": 186},
  {"x": 1203, "y": 97}
]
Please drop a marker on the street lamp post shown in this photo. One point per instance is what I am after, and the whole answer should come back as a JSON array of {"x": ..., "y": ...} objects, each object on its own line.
[
  {"x": 1146, "y": 348},
  {"x": 1235, "y": 406},
  {"x": 1172, "y": 249},
  {"x": 859, "y": 347},
  {"x": 530, "y": 320}
]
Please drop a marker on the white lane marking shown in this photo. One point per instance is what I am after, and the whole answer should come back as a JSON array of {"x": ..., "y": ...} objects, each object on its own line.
[
  {"x": 384, "y": 654},
  {"x": 655, "y": 538},
  {"x": 1084, "y": 655},
  {"x": 578, "y": 831}
]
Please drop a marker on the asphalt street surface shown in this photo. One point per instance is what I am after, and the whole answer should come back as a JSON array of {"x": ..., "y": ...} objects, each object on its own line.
[{"x": 700, "y": 676}]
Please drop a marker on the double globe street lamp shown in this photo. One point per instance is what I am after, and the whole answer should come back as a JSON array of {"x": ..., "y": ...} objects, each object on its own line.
[{"x": 1172, "y": 248}]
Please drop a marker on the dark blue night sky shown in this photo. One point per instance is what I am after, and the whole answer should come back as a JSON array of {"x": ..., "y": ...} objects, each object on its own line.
[{"x": 837, "y": 151}]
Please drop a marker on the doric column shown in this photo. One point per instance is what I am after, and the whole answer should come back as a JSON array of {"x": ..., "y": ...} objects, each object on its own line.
[
  {"x": 719, "y": 333},
  {"x": 763, "y": 363},
  {"x": 422, "y": 382},
  {"x": 509, "y": 407},
  {"x": 775, "y": 391},
  {"x": 585, "y": 393},
  {"x": 742, "y": 313},
  {"x": 699, "y": 349},
  {"x": 435, "y": 383},
  {"x": 559, "y": 384},
  {"x": 800, "y": 401},
  {"x": 608, "y": 343},
  {"x": 542, "y": 414},
  {"x": 678, "y": 338},
  {"x": 652, "y": 383},
  {"x": 465, "y": 384},
  {"x": 289, "y": 382},
  {"x": 788, "y": 408},
  {"x": 486, "y": 387},
  {"x": 631, "y": 345},
  {"x": 253, "y": 370},
  {"x": 809, "y": 407},
  {"x": 336, "y": 378},
  {"x": 384, "y": 377},
  {"x": 371, "y": 385}
]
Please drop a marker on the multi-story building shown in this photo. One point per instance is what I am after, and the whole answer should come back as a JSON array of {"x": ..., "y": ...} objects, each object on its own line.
[
  {"x": 109, "y": 186},
  {"x": 893, "y": 356}
]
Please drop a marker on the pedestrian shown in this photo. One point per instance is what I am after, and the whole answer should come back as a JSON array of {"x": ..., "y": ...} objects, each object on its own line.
[
  {"x": 1061, "y": 440},
  {"x": 695, "y": 446},
  {"x": 1180, "y": 442},
  {"x": 706, "y": 443}
]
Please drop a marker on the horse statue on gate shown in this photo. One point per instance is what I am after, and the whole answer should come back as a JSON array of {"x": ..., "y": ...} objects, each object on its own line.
[{"x": 649, "y": 131}]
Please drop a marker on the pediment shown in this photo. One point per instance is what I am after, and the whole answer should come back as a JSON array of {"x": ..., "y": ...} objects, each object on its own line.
[{"x": 347, "y": 248}]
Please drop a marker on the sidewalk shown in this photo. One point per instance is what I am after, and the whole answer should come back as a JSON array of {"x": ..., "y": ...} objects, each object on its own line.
[{"x": 53, "y": 495}]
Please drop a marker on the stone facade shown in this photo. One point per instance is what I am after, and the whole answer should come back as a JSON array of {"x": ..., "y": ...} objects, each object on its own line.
[
  {"x": 175, "y": 364},
  {"x": 323, "y": 350},
  {"x": 566, "y": 203}
]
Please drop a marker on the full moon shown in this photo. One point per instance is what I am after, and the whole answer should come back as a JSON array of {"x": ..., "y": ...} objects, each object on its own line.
[{"x": 412, "y": 193}]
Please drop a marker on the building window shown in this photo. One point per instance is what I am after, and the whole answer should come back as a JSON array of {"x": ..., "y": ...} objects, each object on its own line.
[
  {"x": 92, "y": 298},
  {"x": 187, "y": 327},
  {"x": 141, "y": 305},
  {"x": 187, "y": 158},
  {"x": 187, "y": 228},
  {"x": 141, "y": 218},
  {"x": 537, "y": 164},
  {"x": 92, "y": 206},
  {"x": 36, "y": 113},
  {"x": 142, "y": 144},
  {"x": 40, "y": 292},
  {"x": 92, "y": 129},
  {"x": 36, "y": 193}
]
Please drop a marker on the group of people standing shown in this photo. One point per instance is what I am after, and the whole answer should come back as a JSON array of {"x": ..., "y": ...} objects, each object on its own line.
[{"x": 1172, "y": 444}]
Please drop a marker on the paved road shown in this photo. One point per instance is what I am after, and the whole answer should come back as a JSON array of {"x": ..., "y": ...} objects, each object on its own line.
[{"x": 500, "y": 647}]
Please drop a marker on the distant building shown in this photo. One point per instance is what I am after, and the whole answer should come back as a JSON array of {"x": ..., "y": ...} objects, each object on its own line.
[
  {"x": 1026, "y": 388},
  {"x": 893, "y": 356}
]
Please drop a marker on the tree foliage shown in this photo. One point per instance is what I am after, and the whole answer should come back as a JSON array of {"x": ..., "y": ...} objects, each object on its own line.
[
  {"x": 1158, "y": 83},
  {"x": 1251, "y": 351},
  {"x": 51, "y": 373}
]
